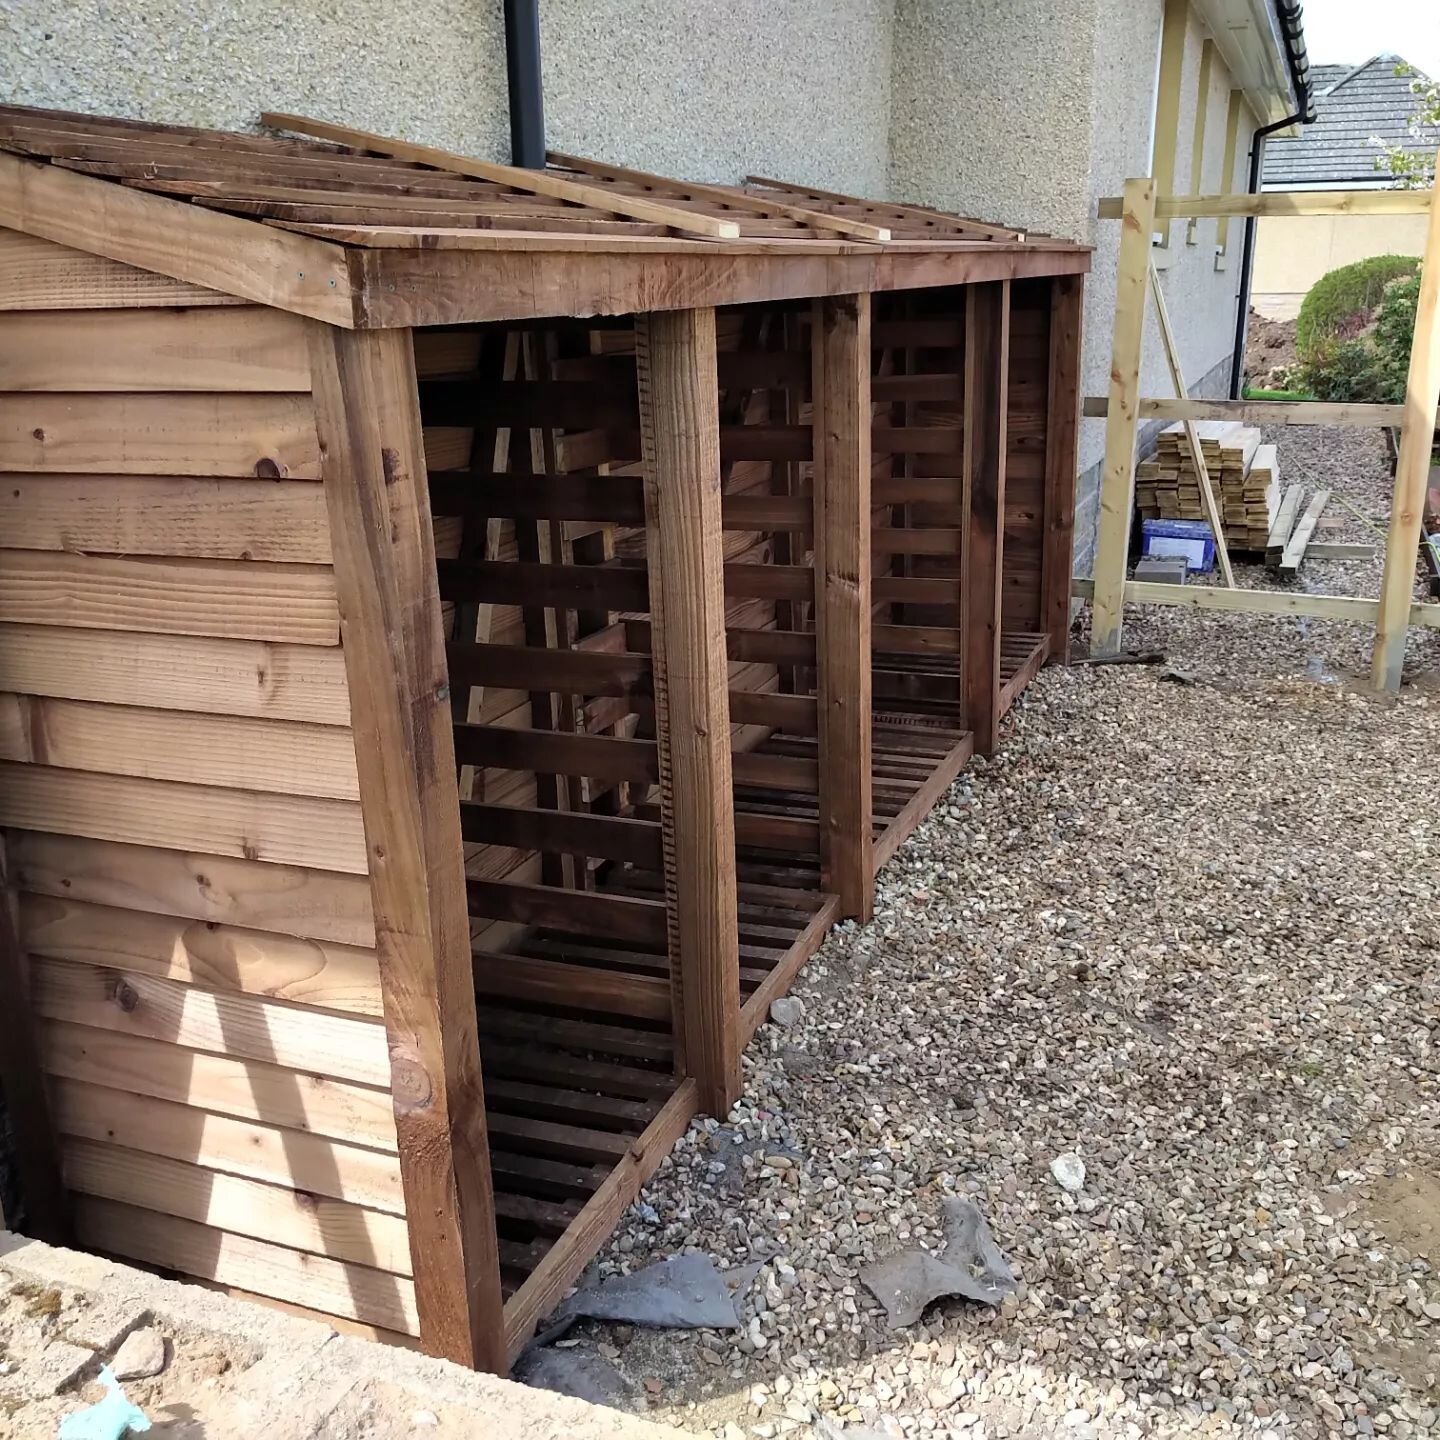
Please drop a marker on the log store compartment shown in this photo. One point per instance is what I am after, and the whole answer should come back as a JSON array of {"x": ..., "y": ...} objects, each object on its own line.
[{"x": 662, "y": 550}]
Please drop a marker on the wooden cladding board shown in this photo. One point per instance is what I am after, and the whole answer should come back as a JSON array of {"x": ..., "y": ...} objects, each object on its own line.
[{"x": 179, "y": 792}]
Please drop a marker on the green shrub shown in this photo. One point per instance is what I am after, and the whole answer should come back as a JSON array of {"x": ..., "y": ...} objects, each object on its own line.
[
  {"x": 1371, "y": 367},
  {"x": 1352, "y": 290}
]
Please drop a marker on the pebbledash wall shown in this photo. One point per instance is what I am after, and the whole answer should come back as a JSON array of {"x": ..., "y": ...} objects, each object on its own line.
[{"x": 1022, "y": 111}]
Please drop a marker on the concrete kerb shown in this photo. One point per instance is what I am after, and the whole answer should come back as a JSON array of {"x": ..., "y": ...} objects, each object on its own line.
[{"x": 305, "y": 1378}]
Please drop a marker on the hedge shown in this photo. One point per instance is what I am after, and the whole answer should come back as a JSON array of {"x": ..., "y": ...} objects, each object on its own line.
[{"x": 1351, "y": 289}]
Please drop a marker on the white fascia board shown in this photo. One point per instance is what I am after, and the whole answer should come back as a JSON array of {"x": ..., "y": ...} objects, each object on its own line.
[{"x": 1247, "y": 35}]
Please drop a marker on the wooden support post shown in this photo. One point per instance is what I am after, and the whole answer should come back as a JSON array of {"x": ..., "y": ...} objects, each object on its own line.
[
  {"x": 1412, "y": 467},
  {"x": 1062, "y": 433},
  {"x": 1122, "y": 421},
  {"x": 373, "y": 464},
  {"x": 987, "y": 365},
  {"x": 841, "y": 354},
  {"x": 1192, "y": 435},
  {"x": 680, "y": 448},
  {"x": 43, "y": 1199}
]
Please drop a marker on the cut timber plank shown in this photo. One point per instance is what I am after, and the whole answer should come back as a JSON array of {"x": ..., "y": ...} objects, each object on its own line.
[
  {"x": 536, "y": 182},
  {"x": 1256, "y": 412},
  {"x": 1282, "y": 202},
  {"x": 291, "y": 830},
  {"x": 840, "y": 331},
  {"x": 269, "y": 436},
  {"x": 1295, "y": 546},
  {"x": 38, "y": 274},
  {"x": 301, "y": 1161},
  {"x": 368, "y": 416},
  {"x": 222, "y": 1084},
  {"x": 730, "y": 198},
  {"x": 237, "y": 599},
  {"x": 240, "y": 257},
  {"x": 272, "y": 1213},
  {"x": 201, "y": 952},
  {"x": 1412, "y": 467},
  {"x": 331, "y": 1286},
  {"x": 166, "y": 515},
  {"x": 229, "y": 750},
  {"x": 177, "y": 672},
  {"x": 229, "y": 349},
  {"x": 680, "y": 444},
  {"x": 1117, "y": 485},
  {"x": 280, "y": 899},
  {"x": 1285, "y": 520},
  {"x": 343, "y": 1047}
]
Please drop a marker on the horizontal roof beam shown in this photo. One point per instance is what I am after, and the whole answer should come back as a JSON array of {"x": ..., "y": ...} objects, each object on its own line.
[{"x": 1282, "y": 202}]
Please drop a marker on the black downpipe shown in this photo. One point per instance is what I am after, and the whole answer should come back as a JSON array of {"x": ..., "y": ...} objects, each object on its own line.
[
  {"x": 527, "y": 91},
  {"x": 1291, "y": 19},
  {"x": 1247, "y": 256}
]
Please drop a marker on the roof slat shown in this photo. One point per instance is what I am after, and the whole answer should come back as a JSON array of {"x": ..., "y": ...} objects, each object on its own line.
[{"x": 538, "y": 181}]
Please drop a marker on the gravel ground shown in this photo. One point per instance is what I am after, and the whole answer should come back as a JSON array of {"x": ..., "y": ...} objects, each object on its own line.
[{"x": 1185, "y": 931}]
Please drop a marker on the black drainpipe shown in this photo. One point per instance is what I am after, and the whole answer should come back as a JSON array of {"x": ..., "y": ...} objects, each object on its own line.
[
  {"x": 527, "y": 91},
  {"x": 1291, "y": 27}
]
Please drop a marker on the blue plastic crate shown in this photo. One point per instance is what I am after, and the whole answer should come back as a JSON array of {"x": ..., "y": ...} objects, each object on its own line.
[{"x": 1190, "y": 538}]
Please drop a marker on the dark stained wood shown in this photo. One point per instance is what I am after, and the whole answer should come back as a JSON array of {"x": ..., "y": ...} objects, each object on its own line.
[
  {"x": 1062, "y": 431},
  {"x": 602, "y": 757},
  {"x": 680, "y": 425},
  {"x": 840, "y": 333},
  {"x": 987, "y": 363},
  {"x": 46, "y": 1205},
  {"x": 615, "y": 916},
  {"x": 373, "y": 467},
  {"x": 606, "y": 837}
]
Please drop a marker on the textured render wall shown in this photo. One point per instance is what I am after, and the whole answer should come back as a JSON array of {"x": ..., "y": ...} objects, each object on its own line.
[
  {"x": 429, "y": 69},
  {"x": 796, "y": 87},
  {"x": 992, "y": 109}
]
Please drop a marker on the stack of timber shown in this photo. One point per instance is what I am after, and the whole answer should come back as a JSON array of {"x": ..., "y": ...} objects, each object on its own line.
[
  {"x": 684, "y": 542},
  {"x": 1242, "y": 472}
]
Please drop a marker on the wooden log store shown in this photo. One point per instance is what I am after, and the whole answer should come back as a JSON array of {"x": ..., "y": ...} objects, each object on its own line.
[{"x": 465, "y": 635}]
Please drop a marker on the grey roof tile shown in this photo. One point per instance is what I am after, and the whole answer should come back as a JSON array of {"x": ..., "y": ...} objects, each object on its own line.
[{"x": 1357, "y": 107}]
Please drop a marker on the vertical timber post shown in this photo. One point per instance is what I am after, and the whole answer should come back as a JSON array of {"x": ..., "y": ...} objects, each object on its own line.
[
  {"x": 680, "y": 450},
  {"x": 1062, "y": 434},
  {"x": 987, "y": 391},
  {"x": 1412, "y": 467},
  {"x": 367, "y": 413},
  {"x": 1122, "y": 420},
  {"x": 840, "y": 340}
]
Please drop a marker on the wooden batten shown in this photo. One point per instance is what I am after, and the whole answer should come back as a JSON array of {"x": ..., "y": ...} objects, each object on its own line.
[
  {"x": 679, "y": 426},
  {"x": 987, "y": 363},
  {"x": 368, "y": 418},
  {"x": 842, "y": 421}
]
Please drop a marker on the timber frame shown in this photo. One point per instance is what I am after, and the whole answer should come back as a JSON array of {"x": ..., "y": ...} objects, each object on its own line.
[
  {"x": 465, "y": 636},
  {"x": 1141, "y": 212}
]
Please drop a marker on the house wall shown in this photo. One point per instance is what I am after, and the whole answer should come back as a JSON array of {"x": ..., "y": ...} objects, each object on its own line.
[
  {"x": 1293, "y": 251},
  {"x": 799, "y": 87}
]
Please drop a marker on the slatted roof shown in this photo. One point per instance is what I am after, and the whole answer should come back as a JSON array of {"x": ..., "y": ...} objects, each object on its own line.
[
  {"x": 358, "y": 229},
  {"x": 342, "y": 183}
]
